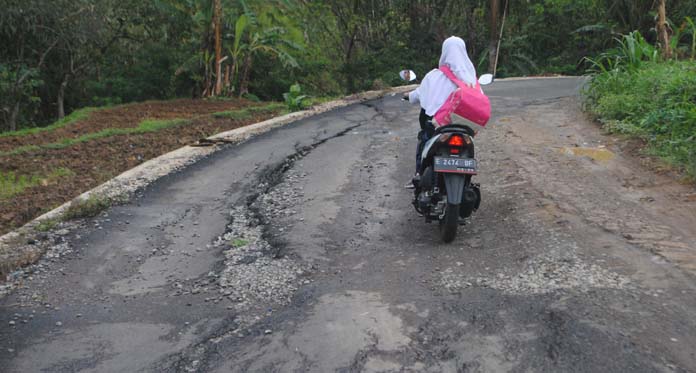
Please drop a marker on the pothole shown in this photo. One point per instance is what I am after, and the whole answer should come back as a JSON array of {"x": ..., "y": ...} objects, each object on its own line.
[{"x": 252, "y": 273}]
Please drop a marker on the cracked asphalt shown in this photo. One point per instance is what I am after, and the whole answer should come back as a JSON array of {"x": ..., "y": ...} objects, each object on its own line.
[{"x": 299, "y": 250}]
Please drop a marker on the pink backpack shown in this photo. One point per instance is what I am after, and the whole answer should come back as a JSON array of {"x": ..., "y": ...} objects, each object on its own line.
[{"x": 468, "y": 103}]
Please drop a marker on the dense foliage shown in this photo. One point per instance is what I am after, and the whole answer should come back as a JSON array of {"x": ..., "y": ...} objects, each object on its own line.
[
  {"x": 636, "y": 92},
  {"x": 655, "y": 101},
  {"x": 61, "y": 55}
]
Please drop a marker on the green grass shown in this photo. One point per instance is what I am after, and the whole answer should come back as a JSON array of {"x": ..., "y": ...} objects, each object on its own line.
[
  {"x": 145, "y": 126},
  {"x": 12, "y": 184},
  {"x": 47, "y": 225},
  {"x": 656, "y": 102},
  {"x": 238, "y": 242},
  {"x": 268, "y": 107},
  {"x": 233, "y": 114},
  {"x": 246, "y": 113},
  {"x": 75, "y": 116},
  {"x": 321, "y": 100},
  {"x": 87, "y": 208}
]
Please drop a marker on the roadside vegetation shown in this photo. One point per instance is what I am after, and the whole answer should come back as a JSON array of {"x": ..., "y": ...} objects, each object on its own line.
[
  {"x": 75, "y": 116},
  {"x": 87, "y": 208},
  {"x": 47, "y": 225},
  {"x": 63, "y": 55},
  {"x": 248, "y": 112},
  {"x": 636, "y": 90},
  {"x": 12, "y": 184}
]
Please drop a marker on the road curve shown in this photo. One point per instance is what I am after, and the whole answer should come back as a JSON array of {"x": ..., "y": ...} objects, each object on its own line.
[{"x": 299, "y": 251}]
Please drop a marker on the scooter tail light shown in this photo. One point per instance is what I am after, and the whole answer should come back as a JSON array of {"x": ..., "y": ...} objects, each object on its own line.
[{"x": 455, "y": 141}]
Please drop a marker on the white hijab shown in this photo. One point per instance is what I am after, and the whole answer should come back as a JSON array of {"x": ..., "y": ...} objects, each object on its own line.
[
  {"x": 455, "y": 56},
  {"x": 436, "y": 86}
]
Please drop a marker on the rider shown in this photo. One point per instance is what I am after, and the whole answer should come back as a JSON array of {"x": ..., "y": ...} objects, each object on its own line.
[{"x": 436, "y": 87}]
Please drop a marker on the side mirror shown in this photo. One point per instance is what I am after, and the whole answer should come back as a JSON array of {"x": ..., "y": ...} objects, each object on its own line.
[
  {"x": 486, "y": 79},
  {"x": 407, "y": 75}
]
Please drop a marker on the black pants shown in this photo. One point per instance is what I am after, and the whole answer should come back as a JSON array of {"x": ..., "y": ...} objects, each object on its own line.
[{"x": 427, "y": 131}]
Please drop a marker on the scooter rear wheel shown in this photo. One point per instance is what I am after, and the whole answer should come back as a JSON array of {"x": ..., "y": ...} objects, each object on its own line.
[{"x": 449, "y": 223}]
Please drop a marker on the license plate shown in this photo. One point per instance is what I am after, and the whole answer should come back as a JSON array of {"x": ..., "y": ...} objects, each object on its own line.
[{"x": 455, "y": 165}]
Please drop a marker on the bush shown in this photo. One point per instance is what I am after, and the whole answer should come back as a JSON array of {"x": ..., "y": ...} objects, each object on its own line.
[
  {"x": 654, "y": 101},
  {"x": 251, "y": 97},
  {"x": 379, "y": 84},
  {"x": 632, "y": 51},
  {"x": 149, "y": 74},
  {"x": 294, "y": 99},
  {"x": 47, "y": 225}
]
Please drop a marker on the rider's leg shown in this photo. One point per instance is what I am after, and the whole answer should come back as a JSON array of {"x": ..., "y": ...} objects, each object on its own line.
[{"x": 426, "y": 132}]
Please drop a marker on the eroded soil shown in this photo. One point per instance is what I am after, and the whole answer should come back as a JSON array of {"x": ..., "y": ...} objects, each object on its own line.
[
  {"x": 94, "y": 162},
  {"x": 125, "y": 116}
]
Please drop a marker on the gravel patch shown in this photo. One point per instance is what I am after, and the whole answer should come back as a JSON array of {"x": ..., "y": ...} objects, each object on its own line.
[
  {"x": 252, "y": 273},
  {"x": 542, "y": 274},
  {"x": 53, "y": 246},
  {"x": 281, "y": 201},
  {"x": 555, "y": 267},
  {"x": 255, "y": 271},
  {"x": 256, "y": 277}
]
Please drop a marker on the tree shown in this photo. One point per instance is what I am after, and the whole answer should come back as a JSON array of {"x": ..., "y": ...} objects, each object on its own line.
[
  {"x": 270, "y": 33},
  {"x": 26, "y": 32},
  {"x": 17, "y": 87},
  {"x": 217, "y": 26},
  {"x": 86, "y": 32},
  {"x": 662, "y": 34},
  {"x": 493, "y": 38}
]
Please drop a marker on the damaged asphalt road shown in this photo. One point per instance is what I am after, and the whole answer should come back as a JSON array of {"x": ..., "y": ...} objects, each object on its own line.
[{"x": 299, "y": 251}]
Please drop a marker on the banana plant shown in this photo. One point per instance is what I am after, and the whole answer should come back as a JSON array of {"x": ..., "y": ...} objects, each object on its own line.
[
  {"x": 294, "y": 99},
  {"x": 692, "y": 31},
  {"x": 271, "y": 33},
  {"x": 236, "y": 51}
]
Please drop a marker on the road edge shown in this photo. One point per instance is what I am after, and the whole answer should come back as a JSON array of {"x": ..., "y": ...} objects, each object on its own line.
[{"x": 127, "y": 183}]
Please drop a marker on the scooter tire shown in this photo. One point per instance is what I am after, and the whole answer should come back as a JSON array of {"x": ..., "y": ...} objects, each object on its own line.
[{"x": 449, "y": 223}]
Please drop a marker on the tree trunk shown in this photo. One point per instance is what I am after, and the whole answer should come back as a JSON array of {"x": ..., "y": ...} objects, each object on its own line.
[
  {"x": 60, "y": 100},
  {"x": 226, "y": 84},
  {"x": 471, "y": 31},
  {"x": 493, "y": 39},
  {"x": 350, "y": 79},
  {"x": 500, "y": 38},
  {"x": 207, "y": 85},
  {"x": 662, "y": 33},
  {"x": 244, "y": 83},
  {"x": 217, "y": 22},
  {"x": 14, "y": 114}
]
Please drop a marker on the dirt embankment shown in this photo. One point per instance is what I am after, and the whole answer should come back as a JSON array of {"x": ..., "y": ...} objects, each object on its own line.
[{"x": 90, "y": 163}]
